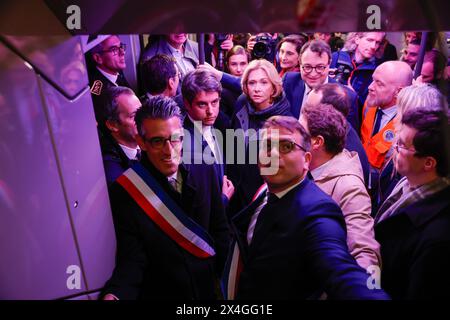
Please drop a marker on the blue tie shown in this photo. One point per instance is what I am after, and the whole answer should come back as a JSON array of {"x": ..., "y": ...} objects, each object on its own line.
[{"x": 377, "y": 125}]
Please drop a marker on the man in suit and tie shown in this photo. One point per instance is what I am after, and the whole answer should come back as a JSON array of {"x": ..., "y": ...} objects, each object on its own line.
[
  {"x": 108, "y": 62},
  {"x": 172, "y": 233},
  {"x": 291, "y": 240},
  {"x": 118, "y": 143},
  {"x": 201, "y": 98},
  {"x": 315, "y": 59}
]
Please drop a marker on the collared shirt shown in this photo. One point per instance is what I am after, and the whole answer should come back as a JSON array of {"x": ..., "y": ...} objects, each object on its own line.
[
  {"x": 307, "y": 91},
  {"x": 176, "y": 181},
  {"x": 184, "y": 63},
  {"x": 131, "y": 153},
  {"x": 317, "y": 172},
  {"x": 207, "y": 134},
  {"x": 254, "y": 219},
  {"x": 388, "y": 115},
  {"x": 404, "y": 195},
  {"x": 110, "y": 77}
]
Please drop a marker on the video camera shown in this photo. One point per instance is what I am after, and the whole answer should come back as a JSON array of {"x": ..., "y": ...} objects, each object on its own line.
[
  {"x": 264, "y": 48},
  {"x": 341, "y": 74}
]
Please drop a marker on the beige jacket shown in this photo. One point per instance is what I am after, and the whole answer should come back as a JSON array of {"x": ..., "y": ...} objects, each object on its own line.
[{"x": 342, "y": 178}]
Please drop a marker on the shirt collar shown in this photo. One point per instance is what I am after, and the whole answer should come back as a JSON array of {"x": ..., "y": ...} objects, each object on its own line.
[
  {"x": 110, "y": 77},
  {"x": 129, "y": 152},
  {"x": 281, "y": 194}
]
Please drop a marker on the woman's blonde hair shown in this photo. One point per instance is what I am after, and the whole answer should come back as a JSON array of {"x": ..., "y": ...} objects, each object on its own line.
[{"x": 271, "y": 72}]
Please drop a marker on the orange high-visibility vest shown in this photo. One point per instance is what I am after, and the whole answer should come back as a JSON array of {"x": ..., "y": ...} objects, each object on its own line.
[{"x": 377, "y": 146}]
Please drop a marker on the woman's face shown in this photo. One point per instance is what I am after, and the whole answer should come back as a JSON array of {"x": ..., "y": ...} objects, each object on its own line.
[
  {"x": 260, "y": 89},
  {"x": 237, "y": 64},
  {"x": 288, "y": 56}
]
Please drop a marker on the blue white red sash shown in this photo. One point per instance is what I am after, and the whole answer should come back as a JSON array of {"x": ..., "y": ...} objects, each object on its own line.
[
  {"x": 234, "y": 265},
  {"x": 163, "y": 211}
]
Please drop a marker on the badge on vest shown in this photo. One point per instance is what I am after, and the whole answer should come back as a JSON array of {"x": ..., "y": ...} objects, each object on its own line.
[
  {"x": 97, "y": 87},
  {"x": 388, "y": 135}
]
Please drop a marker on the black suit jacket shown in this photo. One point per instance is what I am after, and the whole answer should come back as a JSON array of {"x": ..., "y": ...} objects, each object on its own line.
[
  {"x": 299, "y": 250},
  {"x": 294, "y": 88},
  {"x": 98, "y": 93},
  {"x": 115, "y": 161},
  {"x": 149, "y": 264},
  {"x": 415, "y": 249}
]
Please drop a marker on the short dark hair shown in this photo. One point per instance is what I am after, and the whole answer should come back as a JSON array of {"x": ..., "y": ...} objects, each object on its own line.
[
  {"x": 317, "y": 46},
  {"x": 432, "y": 135},
  {"x": 291, "y": 124},
  {"x": 197, "y": 81},
  {"x": 156, "y": 73},
  {"x": 156, "y": 107},
  {"x": 336, "y": 95},
  {"x": 438, "y": 60},
  {"x": 110, "y": 111},
  {"x": 325, "y": 120}
]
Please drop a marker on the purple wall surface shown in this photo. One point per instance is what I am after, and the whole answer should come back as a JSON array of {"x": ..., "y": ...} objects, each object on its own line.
[{"x": 56, "y": 231}]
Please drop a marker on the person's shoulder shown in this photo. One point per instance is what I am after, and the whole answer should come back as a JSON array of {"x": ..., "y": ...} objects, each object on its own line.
[
  {"x": 313, "y": 200},
  {"x": 292, "y": 77}
]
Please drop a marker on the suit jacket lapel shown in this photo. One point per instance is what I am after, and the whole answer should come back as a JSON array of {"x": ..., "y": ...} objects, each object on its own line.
[{"x": 299, "y": 91}]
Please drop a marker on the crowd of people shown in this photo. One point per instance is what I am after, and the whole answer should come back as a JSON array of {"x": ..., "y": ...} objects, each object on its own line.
[{"x": 300, "y": 166}]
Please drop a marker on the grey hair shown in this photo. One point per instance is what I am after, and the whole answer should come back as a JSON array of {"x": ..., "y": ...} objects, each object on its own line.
[
  {"x": 420, "y": 96},
  {"x": 197, "y": 81},
  {"x": 110, "y": 111},
  {"x": 157, "y": 107}
]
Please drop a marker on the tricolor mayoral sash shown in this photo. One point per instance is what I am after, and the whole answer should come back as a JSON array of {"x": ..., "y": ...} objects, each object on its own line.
[
  {"x": 234, "y": 265},
  {"x": 165, "y": 212}
]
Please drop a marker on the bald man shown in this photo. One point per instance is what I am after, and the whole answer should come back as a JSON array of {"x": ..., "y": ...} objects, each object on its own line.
[{"x": 380, "y": 109}]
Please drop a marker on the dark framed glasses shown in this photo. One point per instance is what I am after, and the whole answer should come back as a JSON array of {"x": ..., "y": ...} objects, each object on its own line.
[
  {"x": 159, "y": 142},
  {"x": 115, "y": 49},
  {"x": 284, "y": 146},
  {"x": 309, "y": 68}
]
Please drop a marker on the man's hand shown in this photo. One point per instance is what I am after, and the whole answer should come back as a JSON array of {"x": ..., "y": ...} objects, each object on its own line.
[
  {"x": 227, "y": 187},
  {"x": 209, "y": 68}
]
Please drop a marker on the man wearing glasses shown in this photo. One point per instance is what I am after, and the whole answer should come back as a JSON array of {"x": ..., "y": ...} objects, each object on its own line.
[
  {"x": 172, "y": 233},
  {"x": 315, "y": 59},
  {"x": 412, "y": 225},
  {"x": 108, "y": 58},
  {"x": 291, "y": 240}
]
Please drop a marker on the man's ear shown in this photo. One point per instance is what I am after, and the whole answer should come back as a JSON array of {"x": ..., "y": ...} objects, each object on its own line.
[
  {"x": 307, "y": 162},
  {"x": 97, "y": 58},
  {"x": 112, "y": 125},
  {"x": 430, "y": 164},
  {"x": 171, "y": 84},
  {"x": 317, "y": 142},
  {"x": 140, "y": 142}
]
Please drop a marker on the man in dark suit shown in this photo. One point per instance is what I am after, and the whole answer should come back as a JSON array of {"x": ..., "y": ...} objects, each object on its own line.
[
  {"x": 118, "y": 143},
  {"x": 205, "y": 144},
  {"x": 413, "y": 223},
  {"x": 291, "y": 239},
  {"x": 108, "y": 62},
  {"x": 315, "y": 59},
  {"x": 172, "y": 233}
]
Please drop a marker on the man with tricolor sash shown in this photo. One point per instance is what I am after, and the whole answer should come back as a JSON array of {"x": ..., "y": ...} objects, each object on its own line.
[
  {"x": 290, "y": 242},
  {"x": 172, "y": 233}
]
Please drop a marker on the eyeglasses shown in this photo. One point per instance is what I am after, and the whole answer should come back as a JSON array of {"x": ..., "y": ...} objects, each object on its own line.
[
  {"x": 115, "y": 50},
  {"x": 398, "y": 145},
  {"x": 284, "y": 146},
  {"x": 160, "y": 142},
  {"x": 319, "y": 69}
]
